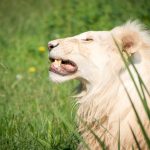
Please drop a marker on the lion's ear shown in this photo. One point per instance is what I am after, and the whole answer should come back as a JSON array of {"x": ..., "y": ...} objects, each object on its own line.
[
  {"x": 130, "y": 36},
  {"x": 129, "y": 43}
]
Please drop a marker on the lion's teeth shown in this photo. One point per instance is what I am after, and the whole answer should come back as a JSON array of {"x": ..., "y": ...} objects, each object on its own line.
[{"x": 57, "y": 62}]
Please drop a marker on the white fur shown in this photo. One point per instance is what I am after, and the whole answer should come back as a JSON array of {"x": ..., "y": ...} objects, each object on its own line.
[{"x": 103, "y": 103}]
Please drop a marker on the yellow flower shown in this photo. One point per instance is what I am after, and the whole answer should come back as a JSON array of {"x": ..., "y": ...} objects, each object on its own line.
[
  {"x": 32, "y": 70},
  {"x": 41, "y": 49}
]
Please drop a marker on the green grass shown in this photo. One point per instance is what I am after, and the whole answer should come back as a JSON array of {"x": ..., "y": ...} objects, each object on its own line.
[{"x": 30, "y": 108}]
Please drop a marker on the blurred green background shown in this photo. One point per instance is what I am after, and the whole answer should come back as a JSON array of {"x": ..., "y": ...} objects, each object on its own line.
[{"x": 35, "y": 113}]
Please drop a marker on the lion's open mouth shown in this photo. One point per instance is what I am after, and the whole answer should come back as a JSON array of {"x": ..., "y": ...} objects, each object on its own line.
[{"x": 62, "y": 67}]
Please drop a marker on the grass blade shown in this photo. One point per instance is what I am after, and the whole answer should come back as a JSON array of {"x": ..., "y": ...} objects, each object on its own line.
[
  {"x": 119, "y": 137},
  {"x": 127, "y": 67},
  {"x": 134, "y": 136},
  {"x": 141, "y": 125},
  {"x": 44, "y": 143},
  {"x": 144, "y": 102},
  {"x": 141, "y": 80},
  {"x": 101, "y": 143},
  {"x": 142, "y": 85},
  {"x": 147, "y": 139}
]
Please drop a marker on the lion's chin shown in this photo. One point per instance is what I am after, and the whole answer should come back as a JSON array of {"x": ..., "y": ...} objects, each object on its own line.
[{"x": 59, "y": 78}]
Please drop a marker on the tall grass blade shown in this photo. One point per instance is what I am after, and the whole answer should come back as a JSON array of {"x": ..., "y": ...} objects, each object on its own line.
[
  {"x": 126, "y": 65},
  {"x": 142, "y": 85},
  {"x": 144, "y": 102},
  {"x": 101, "y": 142},
  {"x": 141, "y": 80},
  {"x": 119, "y": 137},
  {"x": 134, "y": 136},
  {"x": 147, "y": 139},
  {"x": 132, "y": 147}
]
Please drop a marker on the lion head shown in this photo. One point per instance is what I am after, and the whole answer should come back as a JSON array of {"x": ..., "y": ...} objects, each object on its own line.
[{"x": 93, "y": 56}]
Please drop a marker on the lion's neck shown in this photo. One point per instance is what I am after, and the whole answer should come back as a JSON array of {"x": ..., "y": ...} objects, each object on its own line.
[{"x": 98, "y": 99}]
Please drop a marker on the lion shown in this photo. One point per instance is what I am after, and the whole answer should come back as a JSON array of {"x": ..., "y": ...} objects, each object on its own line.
[{"x": 104, "y": 108}]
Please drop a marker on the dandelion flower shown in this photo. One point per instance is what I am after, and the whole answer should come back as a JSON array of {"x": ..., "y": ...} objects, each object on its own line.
[
  {"x": 32, "y": 70},
  {"x": 41, "y": 49}
]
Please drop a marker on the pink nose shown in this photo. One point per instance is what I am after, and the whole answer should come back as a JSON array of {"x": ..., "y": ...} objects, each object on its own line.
[{"x": 52, "y": 45}]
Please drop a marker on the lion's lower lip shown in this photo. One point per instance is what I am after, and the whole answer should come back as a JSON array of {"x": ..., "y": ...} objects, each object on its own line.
[{"x": 62, "y": 67}]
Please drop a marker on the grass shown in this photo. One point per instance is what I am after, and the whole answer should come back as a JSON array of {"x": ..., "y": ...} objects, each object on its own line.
[{"x": 32, "y": 109}]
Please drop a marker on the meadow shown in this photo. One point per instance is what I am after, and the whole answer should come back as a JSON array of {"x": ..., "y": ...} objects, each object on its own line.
[{"x": 35, "y": 113}]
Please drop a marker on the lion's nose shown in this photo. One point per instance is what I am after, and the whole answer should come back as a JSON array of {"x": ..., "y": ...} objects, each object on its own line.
[{"x": 52, "y": 45}]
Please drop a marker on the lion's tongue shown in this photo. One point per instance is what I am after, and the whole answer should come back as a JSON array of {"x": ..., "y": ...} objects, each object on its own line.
[{"x": 68, "y": 67}]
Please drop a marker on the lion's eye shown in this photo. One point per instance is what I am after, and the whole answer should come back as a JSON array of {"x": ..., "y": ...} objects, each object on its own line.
[{"x": 88, "y": 39}]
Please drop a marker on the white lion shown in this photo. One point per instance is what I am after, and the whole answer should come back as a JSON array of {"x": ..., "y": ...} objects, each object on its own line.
[{"x": 93, "y": 58}]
